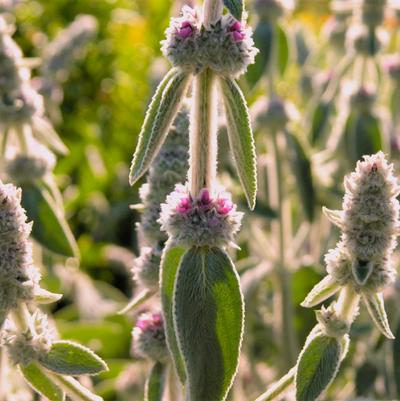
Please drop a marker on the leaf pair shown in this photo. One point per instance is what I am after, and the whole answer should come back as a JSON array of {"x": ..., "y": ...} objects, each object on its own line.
[
  {"x": 64, "y": 358},
  {"x": 203, "y": 311},
  {"x": 159, "y": 116}
]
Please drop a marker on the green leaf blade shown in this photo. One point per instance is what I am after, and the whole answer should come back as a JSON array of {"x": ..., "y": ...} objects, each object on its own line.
[
  {"x": 72, "y": 359},
  {"x": 155, "y": 384},
  {"x": 160, "y": 114},
  {"x": 50, "y": 228},
  {"x": 208, "y": 317},
  {"x": 235, "y": 7},
  {"x": 240, "y": 136},
  {"x": 170, "y": 262},
  {"x": 317, "y": 366},
  {"x": 39, "y": 381}
]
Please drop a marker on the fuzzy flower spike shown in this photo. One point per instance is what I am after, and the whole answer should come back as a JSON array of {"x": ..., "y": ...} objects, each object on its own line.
[{"x": 362, "y": 259}]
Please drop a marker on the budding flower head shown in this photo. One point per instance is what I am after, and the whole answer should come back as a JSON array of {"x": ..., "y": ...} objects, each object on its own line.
[
  {"x": 149, "y": 337},
  {"x": 18, "y": 276},
  {"x": 208, "y": 219},
  {"x": 226, "y": 46},
  {"x": 364, "y": 40},
  {"x": 146, "y": 267},
  {"x": 369, "y": 224},
  {"x": 330, "y": 323},
  {"x": 25, "y": 347}
]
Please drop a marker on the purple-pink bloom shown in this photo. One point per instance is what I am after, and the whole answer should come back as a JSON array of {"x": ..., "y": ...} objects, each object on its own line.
[
  {"x": 224, "y": 206},
  {"x": 185, "y": 30},
  {"x": 184, "y": 205},
  {"x": 236, "y": 29},
  {"x": 151, "y": 322}
]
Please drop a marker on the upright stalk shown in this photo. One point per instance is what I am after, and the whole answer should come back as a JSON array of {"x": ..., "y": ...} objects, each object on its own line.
[
  {"x": 212, "y": 11},
  {"x": 203, "y": 133}
]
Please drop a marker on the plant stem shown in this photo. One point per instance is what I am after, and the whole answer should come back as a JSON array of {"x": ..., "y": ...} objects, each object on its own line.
[
  {"x": 203, "y": 133},
  {"x": 284, "y": 300},
  {"x": 212, "y": 11},
  {"x": 278, "y": 387}
]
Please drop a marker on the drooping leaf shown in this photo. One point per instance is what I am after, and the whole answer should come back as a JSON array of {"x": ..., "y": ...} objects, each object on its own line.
[
  {"x": 41, "y": 383},
  {"x": 301, "y": 167},
  {"x": 208, "y": 318},
  {"x": 75, "y": 390},
  {"x": 160, "y": 114},
  {"x": 334, "y": 216},
  {"x": 376, "y": 309},
  {"x": 235, "y": 7},
  {"x": 155, "y": 384},
  {"x": 317, "y": 366},
  {"x": 43, "y": 296},
  {"x": 68, "y": 358},
  {"x": 170, "y": 263},
  {"x": 50, "y": 228},
  {"x": 282, "y": 50},
  {"x": 143, "y": 296},
  {"x": 263, "y": 36},
  {"x": 45, "y": 132},
  {"x": 240, "y": 136},
  {"x": 322, "y": 291}
]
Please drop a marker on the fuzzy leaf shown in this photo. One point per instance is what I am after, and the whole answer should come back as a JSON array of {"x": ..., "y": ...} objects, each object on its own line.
[
  {"x": 40, "y": 382},
  {"x": 322, "y": 291},
  {"x": 334, "y": 216},
  {"x": 44, "y": 131},
  {"x": 278, "y": 388},
  {"x": 159, "y": 116},
  {"x": 43, "y": 296},
  {"x": 263, "y": 36},
  {"x": 283, "y": 49},
  {"x": 208, "y": 318},
  {"x": 301, "y": 167},
  {"x": 74, "y": 389},
  {"x": 50, "y": 228},
  {"x": 376, "y": 309},
  {"x": 72, "y": 359},
  {"x": 317, "y": 366},
  {"x": 143, "y": 296},
  {"x": 240, "y": 136},
  {"x": 235, "y": 7},
  {"x": 170, "y": 262},
  {"x": 155, "y": 384}
]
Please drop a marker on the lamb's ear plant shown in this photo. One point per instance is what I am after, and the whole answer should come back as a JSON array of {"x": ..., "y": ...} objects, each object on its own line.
[
  {"x": 359, "y": 269},
  {"x": 200, "y": 291}
]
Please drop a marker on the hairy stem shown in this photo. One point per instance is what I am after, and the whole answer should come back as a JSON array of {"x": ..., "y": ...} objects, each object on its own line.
[
  {"x": 203, "y": 133},
  {"x": 212, "y": 11},
  {"x": 278, "y": 387}
]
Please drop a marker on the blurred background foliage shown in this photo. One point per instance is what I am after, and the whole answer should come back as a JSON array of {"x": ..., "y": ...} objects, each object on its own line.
[{"x": 105, "y": 97}]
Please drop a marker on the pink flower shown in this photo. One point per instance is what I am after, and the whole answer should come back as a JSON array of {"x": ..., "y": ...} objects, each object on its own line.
[
  {"x": 236, "y": 29},
  {"x": 224, "y": 206},
  {"x": 151, "y": 322},
  {"x": 205, "y": 199},
  {"x": 185, "y": 30},
  {"x": 184, "y": 205}
]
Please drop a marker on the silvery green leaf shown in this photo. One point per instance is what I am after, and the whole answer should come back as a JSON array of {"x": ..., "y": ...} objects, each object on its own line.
[
  {"x": 73, "y": 388},
  {"x": 320, "y": 121},
  {"x": 334, "y": 216},
  {"x": 376, "y": 309},
  {"x": 68, "y": 358},
  {"x": 208, "y": 319},
  {"x": 43, "y": 296},
  {"x": 170, "y": 262},
  {"x": 143, "y": 296},
  {"x": 44, "y": 131},
  {"x": 317, "y": 366},
  {"x": 155, "y": 383},
  {"x": 240, "y": 136},
  {"x": 41, "y": 383},
  {"x": 278, "y": 389},
  {"x": 301, "y": 167},
  {"x": 321, "y": 291},
  {"x": 159, "y": 116},
  {"x": 50, "y": 228},
  {"x": 235, "y": 7}
]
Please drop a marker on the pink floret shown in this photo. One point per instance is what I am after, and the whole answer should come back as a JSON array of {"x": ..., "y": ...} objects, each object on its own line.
[
  {"x": 184, "y": 205},
  {"x": 185, "y": 30},
  {"x": 224, "y": 206}
]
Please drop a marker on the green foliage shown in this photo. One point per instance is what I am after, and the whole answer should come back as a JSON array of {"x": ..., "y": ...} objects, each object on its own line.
[
  {"x": 208, "y": 319},
  {"x": 155, "y": 384},
  {"x": 235, "y": 7}
]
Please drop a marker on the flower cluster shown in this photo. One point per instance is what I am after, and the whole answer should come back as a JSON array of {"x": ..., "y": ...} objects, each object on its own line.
[
  {"x": 149, "y": 337},
  {"x": 226, "y": 47},
  {"x": 25, "y": 347},
  {"x": 369, "y": 224},
  {"x": 18, "y": 276},
  {"x": 202, "y": 221}
]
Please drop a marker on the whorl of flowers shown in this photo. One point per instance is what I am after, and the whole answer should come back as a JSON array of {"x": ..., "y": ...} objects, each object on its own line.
[
  {"x": 226, "y": 47},
  {"x": 207, "y": 220},
  {"x": 25, "y": 347},
  {"x": 369, "y": 224},
  {"x": 363, "y": 40},
  {"x": 149, "y": 337},
  {"x": 18, "y": 101},
  {"x": 27, "y": 167},
  {"x": 18, "y": 276},
  {"x": 59, "y": 54}
]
